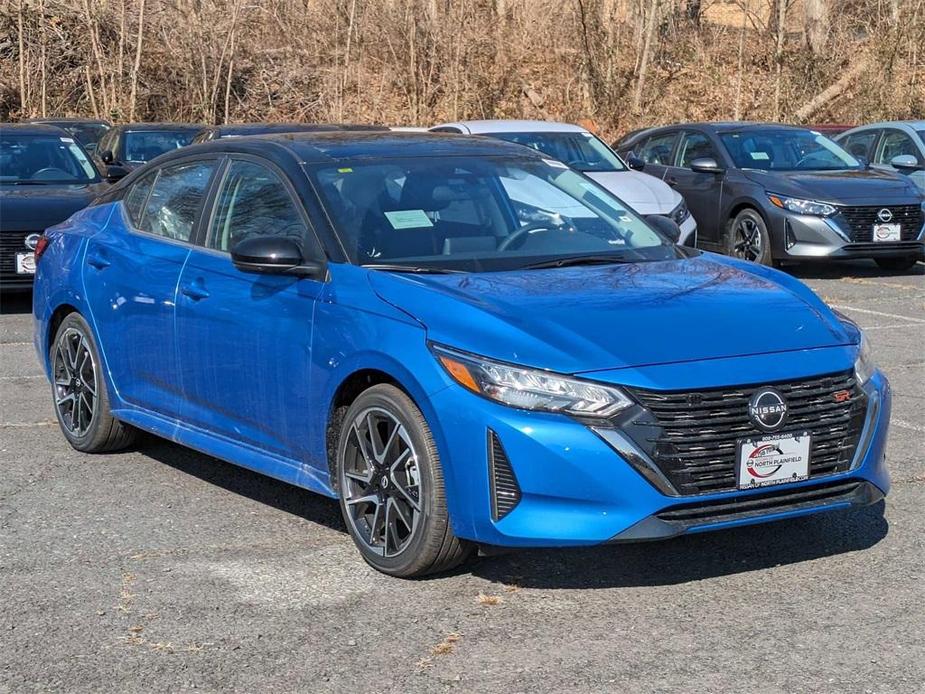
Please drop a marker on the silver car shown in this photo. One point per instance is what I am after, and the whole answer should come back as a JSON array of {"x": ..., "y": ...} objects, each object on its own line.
[{"x": 890, "y": 146}]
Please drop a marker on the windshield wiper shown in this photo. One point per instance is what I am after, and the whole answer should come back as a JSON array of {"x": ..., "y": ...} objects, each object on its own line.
[
  {"x": 420, "y": 269},
  {"x": 575, "y": 260}
]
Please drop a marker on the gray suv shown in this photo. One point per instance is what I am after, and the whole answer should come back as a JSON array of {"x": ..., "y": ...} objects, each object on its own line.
[{"x": 771, "y": 193}]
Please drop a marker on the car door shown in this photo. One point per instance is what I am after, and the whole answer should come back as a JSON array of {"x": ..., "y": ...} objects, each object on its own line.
[
  {"x": 131, "y": 270},
  {"x": 245, "y": 339},
  {"x": 701, "y": 191},
  {"x": 657, "y": 151}
]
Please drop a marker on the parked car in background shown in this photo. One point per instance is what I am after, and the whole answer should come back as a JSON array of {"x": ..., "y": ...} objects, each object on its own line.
[
  {"x": 768, "y": 193},
  {"x": 87, "y": 131},
  {"x": 587, "y": 153},
  {"x": 126, "y": 147},
  {"x": 374, "y": 317},
  {"x": 215, "y": 132},
  {"x": 45, "y": 176},
  {"x": 891, "y": 146}
]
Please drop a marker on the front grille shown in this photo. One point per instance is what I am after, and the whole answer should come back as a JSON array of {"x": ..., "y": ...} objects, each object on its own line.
[
  {"x": 11, "y": 243},
  {"x": 861, "y": 219},
  {"x": 692, "y": 436},
  {"x": 505, "y": 492}
]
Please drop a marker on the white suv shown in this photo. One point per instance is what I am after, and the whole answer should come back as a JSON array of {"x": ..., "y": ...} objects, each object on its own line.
[{"x": 584, "y": 152}]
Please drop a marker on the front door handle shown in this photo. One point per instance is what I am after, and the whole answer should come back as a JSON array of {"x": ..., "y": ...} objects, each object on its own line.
[
  {"x": 95, "y": 259},
  {"x": 672, "y": 181},
  {"x": 195, "y": 291}
]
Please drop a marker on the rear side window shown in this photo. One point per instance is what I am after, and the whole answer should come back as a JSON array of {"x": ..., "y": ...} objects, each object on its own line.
[
  {"x": 894, "y": 144},
  {"x": 859, "y": 144},
  {"x": 174, "y": 203},
  {"x": 136, "y": 197},
  {"x": 695, "y": 146},
  {"x": 657, "y": 149},
  {"x": 253, "y": 201}
]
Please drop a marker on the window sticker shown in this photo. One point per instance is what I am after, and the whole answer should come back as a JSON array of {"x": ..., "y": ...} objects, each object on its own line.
[
  {"x": 67, "y": 140},
  {"x": 408, "y": 219},
  {"x": 760, "y": 155},
  {"x": 554, "y": 163},
  {"x": 345, "y": 170}
]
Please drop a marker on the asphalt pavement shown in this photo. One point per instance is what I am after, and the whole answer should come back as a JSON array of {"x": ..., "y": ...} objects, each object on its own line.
[{"x": 162, "y": 569}]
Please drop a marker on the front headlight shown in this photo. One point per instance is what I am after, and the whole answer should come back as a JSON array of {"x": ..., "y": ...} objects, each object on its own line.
[
  {"x": 530, "y": 389},
  {"x": 864, "y": 366},
  {"x": 819, "y": 209},
  {"x": 680, "y": 213}
]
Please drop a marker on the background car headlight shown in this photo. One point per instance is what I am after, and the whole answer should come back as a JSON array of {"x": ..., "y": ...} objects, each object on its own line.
[
  {"x": 819, "y": 209},
  {"x": 680, "y": 213},
  {"x": 864, "y": 365},
  {"x": 530, "y": 389}
]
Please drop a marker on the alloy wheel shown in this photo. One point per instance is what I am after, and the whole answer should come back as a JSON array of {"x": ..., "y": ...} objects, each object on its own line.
[
  {"x": 381, "y": 482},
  {"x": 75, "y": 382},
  {"x": 747, "y": 243}
]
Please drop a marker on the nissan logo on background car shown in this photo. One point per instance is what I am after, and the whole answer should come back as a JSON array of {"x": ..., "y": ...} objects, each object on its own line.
[
  {"x": 884, "y": 215},
  {"x": 767, "y": 409}
]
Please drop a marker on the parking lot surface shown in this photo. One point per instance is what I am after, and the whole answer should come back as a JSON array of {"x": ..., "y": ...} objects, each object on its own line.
[{"x": 162, "y": 569}]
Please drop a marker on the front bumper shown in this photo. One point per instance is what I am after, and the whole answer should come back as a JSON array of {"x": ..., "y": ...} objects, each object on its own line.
[{"x": 576, "y": 489}]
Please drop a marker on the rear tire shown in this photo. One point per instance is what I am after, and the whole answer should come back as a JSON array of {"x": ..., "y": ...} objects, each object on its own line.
[
  {"x": 748, "y": 239},
  {"x": 79, "y": 391},
  {"x": 392, "y": 494},
  {"x": 896, "y": 264}
]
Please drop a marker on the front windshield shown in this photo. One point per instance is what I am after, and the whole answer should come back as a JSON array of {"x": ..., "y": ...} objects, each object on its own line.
[
  {"x": 480, "y": 214},
  {"x": 42, "y": 159},
  {"x": 582, "y": 151},
  {"x": 786, "y": 150},
  {"x": 145, "y": 145}
]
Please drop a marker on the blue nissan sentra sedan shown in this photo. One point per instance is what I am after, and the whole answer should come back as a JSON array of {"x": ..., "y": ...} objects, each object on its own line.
[{"x": 462, "y": 340}]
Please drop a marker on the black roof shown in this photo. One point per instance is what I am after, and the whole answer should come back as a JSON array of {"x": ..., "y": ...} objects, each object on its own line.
[
  {"x": 319, "y": 147},
  {"x": 32, "y": 129},
  {"x": 716, "y": 127},
  {"x": 133, "y": 127},
  {"x": 242, "y": 129},
  {"x": 69, "y": 121}
]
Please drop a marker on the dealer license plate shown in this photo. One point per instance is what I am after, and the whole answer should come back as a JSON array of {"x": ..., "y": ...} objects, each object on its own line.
[
  {"x": 25, "y": 263},
  {"x": 887, "y": 232},
  {"x": 774, "y": 459}
]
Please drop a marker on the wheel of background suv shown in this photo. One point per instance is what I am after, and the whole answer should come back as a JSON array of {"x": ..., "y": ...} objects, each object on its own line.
[
  {"x": 79, "y": 391},
  {"x": 391, "y": 487},
  {"x": 896, "y": 264},
  {"x": 748, "y": 238}
]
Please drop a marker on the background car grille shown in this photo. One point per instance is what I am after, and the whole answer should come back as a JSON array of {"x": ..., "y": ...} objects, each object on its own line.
[
  {"x": 11, "y": 243},
  {"x": 691, "y": 436},
  {"x": 861, "y": 220}
]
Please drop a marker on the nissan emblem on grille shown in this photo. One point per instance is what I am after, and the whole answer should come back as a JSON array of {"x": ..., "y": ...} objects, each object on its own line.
[
  {"x": 884, "y": 215},
  {"x": 767, "y": 409},
  {"x": 31, "y": 241}
]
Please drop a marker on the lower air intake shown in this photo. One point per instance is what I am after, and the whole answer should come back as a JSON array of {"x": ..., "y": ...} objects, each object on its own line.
[{"x": 505, "y": 492}]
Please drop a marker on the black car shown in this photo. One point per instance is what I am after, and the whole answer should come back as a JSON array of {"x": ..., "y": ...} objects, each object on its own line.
[
  {"x": 88, "y": 130},
  {"x": 45, "y": 176},
  {"x": 215, "y": 132},
  {"x": 771, "y": 193},
  {"x": 126, "y": 147}
]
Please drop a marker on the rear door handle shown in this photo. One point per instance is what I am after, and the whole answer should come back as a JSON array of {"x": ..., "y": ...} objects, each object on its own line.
[
  {"x": 95, "y": 259},
  {"x": 195, "y": 291}
]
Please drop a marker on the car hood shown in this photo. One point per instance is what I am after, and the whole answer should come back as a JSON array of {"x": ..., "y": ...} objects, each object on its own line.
[
  {"x": 35, "y": 208},
  {"x": 865, "y": 186},
  {"x": 644, "y": 193},
  {"x": 607, "y": 317}
]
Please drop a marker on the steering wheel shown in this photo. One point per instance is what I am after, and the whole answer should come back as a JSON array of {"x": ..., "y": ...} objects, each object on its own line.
[
  {"x": 803, "y": 160},
  {"x": 50, "y": 173},
  {"x": 516, "y": 239}
]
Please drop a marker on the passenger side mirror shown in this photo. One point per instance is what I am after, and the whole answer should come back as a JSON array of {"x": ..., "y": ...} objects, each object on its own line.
[
  {"x": 273, "y": 255},
  {"x": 114, "y": 173},
  {"x": 635, "y": 163},
  {"x": 905, "y": 163},
  {"x": 106, "y": 156},
  {"x": 664, "y": 225},
  {"x": 706, "y": 165}
]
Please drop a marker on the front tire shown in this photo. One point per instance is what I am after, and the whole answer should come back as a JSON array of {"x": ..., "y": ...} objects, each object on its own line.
[
  {"x": 896, "y": 264},
  {"x": 748, "y": 238},
  {"x": 391, "y": 487},
  {"x": 79, "y": 390}
]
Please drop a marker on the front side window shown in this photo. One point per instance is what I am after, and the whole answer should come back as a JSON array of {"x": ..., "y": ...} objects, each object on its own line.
[
  {"x": 657, "y": 149},
  {"x": 479, "y": 214},
  {"x": 144, "y": 145},
  {"x": 895, "y": 143},
  {"x": 43, "y": 159},
  {"x": 582, "y": 151},
  {"x": 253, "y": 201},
  {"x": 136, "y": 197},
  {"x": 695, "y": 146},
  {"x": 173, "y": 205},
  {"x": 786, "y": 149}
]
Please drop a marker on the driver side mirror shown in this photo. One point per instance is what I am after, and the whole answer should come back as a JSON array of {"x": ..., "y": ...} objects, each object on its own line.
[
  {"x": 106, "y": 156},
  {"x": 905, "y": 163},
  {"x": 706, "y": 165},
  {"x": 277, "y": 255},
  {"x": 665, "y": 226},
  {"x": 635, "y": 163},
  {"x": 114, "y": 173}
]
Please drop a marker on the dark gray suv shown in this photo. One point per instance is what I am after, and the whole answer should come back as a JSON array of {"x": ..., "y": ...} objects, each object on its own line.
[{"x": 771, "y": 193}]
